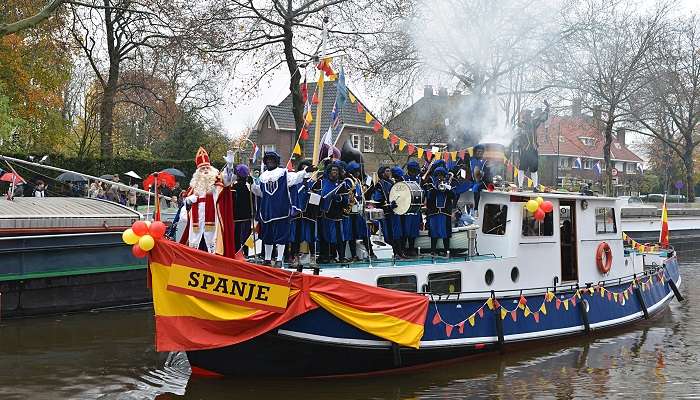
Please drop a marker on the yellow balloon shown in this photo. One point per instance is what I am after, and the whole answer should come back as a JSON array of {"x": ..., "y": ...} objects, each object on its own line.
[
  {"x": 532, "y": 205},
  {"x": 539, "y": 200},
  {"x": 129, "y": 237},
  {"x": 146, "y": 242}
]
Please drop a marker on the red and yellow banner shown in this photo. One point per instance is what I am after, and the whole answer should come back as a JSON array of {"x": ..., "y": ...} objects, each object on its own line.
[{"x": 205, "y": 301}]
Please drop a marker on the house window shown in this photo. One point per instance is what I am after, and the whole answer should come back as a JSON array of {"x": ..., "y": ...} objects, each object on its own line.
[
  {"x": 495, "y": 218},
  {"x": 368, "y": 144},
  {"x": 355, "y": 141},
  {"x": 587, "y": 164},
  {"x": 404, "y": 283},
  {"x": 269, "y": 122},
  {"x": 533, "y": 227},
  {"x": 587, "y": 141},
  {"x": 630, "y": 168},
  {"x": 564, "y": 162},
  {"x": 268, "y": 147},
  {"x": 605, "y": 220},
  {"x": 445, "y": 282}
]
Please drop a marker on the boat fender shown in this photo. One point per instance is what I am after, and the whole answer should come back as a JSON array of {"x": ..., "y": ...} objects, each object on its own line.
[
  {"x": 642, "y": 304},
  {"x": 676, "y": 292},
  {"x": 583, "y": 309},
  {"x": 603, "y": 248}
]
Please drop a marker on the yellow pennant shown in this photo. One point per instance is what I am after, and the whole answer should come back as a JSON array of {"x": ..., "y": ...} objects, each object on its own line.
[
  {"x": 437, "y": 155},
  {"x": 527, "y": 311},
  {"x": 615, "y": 296},
  {"x": 489, "y": 303},
  {"x": 542, "y": 188},
  {"x": 549, "y": 296},
  {"x": 602, "y": 292},
  {"x": 624, "y": 236},
  {"x": 543, "y": 309},
  {"x": 453, "y": 155},
  {"x": 386, "y": 133},
  {"x": 297, "y": 149},
  {"x": 402, "y": 144},
  {"x": 516, "y": 172},
  {"x": 530, "y": 182},
  {"x": 250, "y": 243},
  {"x": 521, "y": 306},
  {"x": 471, "y": 320},
  {"x": 470, "y": 151},
  {"x": 625, "y": 294},
  {"x": 352, "y": 98},
  {"x": 591, "y": 290},
  {"x": 578, "y": 293},
  {"x": 566, "y": 304},
  {"x": 368, "y": 117},
  {"x": 419, "y": 153},
  {"x": 308, "y": 117},
  {"x": 503, "y": 313}
]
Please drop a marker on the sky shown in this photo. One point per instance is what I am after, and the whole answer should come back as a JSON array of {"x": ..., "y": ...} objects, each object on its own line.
[{"x": 236, "y": 114}]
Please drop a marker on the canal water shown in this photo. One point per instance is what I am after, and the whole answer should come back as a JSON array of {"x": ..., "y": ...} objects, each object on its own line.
[{"x": 110, "y": 355}]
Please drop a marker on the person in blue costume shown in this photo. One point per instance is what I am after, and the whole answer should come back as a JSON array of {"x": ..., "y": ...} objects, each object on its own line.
[
  {"x": 479, "y": 173},
  {"x": 439, "y": 201},
  {"x": 333, "y": 200},
  {"x": 275, "y": 204},
  {"x": 243, "y": 206},
  {"x": 354, "y": 223},
  {"x": 412, "y": 221},
  {"x": 304, "y": 215},
  {"x": 391, "y": 224}
]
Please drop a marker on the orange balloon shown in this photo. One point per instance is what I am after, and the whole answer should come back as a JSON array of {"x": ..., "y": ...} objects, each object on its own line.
[
  {"x": 157, "y": 229},
  {"x": 137, "y": 252},
  {"x": 547, "y": 206},
  {"x": 140, "y": 228},
  {"x": 539, "y": 215}
]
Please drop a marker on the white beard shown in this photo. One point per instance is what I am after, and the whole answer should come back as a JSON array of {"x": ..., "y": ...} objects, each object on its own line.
[{"x": 202, "y": 183}]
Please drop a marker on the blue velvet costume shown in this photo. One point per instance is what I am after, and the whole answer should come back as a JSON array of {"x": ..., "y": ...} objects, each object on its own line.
[
  {"x": 439, "y": 203},
  {"x": 303, "y": 224},
  {"x": 412, "y": 221},
  {"x": 332, "y": 203},
  {"x": 391, "y": 224}
]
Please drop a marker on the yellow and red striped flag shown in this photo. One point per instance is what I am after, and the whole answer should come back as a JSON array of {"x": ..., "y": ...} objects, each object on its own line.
[{"x": 663, "y": 237}]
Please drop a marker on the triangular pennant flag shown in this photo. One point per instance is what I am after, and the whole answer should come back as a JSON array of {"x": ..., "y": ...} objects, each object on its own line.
[
  {"x": 386, "y": 133},
  {"x": 537, "y": 317},
  {"x": 602, "y": 292},
  {"x": 304, "y": 135},
  {"x": 527, "y": 311},
  {"x": 549, "y": 296},
  {"x": 437, "y": 155},
  {"x": 489, "y": 303},
  {"x": 368, "y": 117},
  {"x": 578, "y": 293},
  {"x": 428, "y": 155},
  {"x": 591, "y": 290},
  {"x": 522, "y": 301},
  {"x": 496, "y": 303},
  {"x": 394, "y": 139},
  {"x": 297, "y": 149},
  {"x": 448, "y": 329},
  {"x": 420, "y": 152},
  {"x": 314, "y": 98},
  {"x": 453, "y": 155},
  {"x": 470, "y": 151},
  {"x": 446, "y": 156},
  {"x": 436, "y": 319},
  {"x": 402, "y": 144},
  {"x": 557, "y": 304},
  {"x": 516, "y": 172},
  {"x": 308, "y": 118},
  {"x": 573, "y": 301},
  {"x": 250, "y": 243},
  {"x": 609, "y": 295},
  {"x": 411, "y": 149},
  {"x": 615, "y": 297},
  {"x": 480, "y": 311},
  {"x": 530, "y": 182},
  {"x": 352, "y": 98},
  {"x": 566, "y": 304},
  {"x": 514, "y": 315},
  {"x": 471, "y": 320},
  {"x": 543, "y": 309},
  {"x": 626, "y": 295},
  {"x": 461, "y": 326},
  {"x": 290, "y": 167},
  {"x": 360, "y": 109},
  {"x": 376, "y": 126},
  {"x": 504, "y": 312}
]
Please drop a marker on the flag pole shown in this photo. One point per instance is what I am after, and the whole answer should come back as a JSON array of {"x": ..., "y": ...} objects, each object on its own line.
[{"x": 319, "y": 86}]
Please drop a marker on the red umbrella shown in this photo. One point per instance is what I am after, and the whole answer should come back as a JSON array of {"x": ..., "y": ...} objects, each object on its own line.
[
  {"x": 10, "y": 176},
  {"x": 162, "y": 177}
]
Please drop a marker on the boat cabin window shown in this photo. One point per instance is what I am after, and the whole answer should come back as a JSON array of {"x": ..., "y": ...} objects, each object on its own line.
[
  {"x": 533, "y": 227},
  {"x": 605, "y": 220},
  {"x": 445, "y": 282},
  {"x": 404, "y": 283},
  {"x": 495, "y": 218}
]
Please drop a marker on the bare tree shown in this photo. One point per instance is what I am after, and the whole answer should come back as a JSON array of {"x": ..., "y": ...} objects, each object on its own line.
[
  {"x": 606, "y": 59},
  {"x": 668, "y": 107}
]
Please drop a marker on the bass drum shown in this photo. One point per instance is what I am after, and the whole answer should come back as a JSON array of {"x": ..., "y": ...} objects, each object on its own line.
[{"x": 408, "y": 195}]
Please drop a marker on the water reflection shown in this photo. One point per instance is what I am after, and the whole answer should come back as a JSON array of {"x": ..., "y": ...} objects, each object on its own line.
[{"x": 110, "y": 355}]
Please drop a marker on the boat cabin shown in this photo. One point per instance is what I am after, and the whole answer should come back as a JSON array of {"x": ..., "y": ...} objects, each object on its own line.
[{"x": 512, "y": 250}]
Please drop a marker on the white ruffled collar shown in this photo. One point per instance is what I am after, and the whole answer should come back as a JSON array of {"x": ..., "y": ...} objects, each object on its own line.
[{"x": 275, "y": 174}]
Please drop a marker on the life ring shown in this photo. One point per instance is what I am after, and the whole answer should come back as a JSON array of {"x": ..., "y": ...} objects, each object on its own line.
[{"x": 603, "y": 248}]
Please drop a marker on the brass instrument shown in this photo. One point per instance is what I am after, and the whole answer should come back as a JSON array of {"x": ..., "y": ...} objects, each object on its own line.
[{"x": 352, "y": 206}]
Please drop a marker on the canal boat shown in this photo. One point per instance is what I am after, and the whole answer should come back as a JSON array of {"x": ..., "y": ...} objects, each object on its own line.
[
  {"x": 523, "y": 281},
  {"x": 66, "y": 254}
]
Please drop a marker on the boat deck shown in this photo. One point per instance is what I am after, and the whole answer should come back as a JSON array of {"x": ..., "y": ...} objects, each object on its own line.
[{"x": 390, "y": 262}]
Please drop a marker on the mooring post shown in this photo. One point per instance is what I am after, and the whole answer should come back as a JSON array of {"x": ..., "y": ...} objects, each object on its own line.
[
  {"x": 638, "y": 293},
  {"x": 676, "y": 292}
]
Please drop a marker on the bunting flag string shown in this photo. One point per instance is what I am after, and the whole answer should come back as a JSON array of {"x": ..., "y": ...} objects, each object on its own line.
[
  {"x": 641, "y": 248},
  {"x": 568, "y": 303}
]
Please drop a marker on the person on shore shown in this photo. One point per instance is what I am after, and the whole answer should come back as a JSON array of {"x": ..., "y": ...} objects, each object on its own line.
[{"x": 40, "y": 189}]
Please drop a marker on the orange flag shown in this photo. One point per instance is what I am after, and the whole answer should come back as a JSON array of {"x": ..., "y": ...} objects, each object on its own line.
[{"x": 663, "y": 239}]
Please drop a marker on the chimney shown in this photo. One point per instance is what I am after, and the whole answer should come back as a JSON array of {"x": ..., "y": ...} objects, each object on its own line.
[
  {"x": 621, "y": 135},
  {"x": 576, "y": 107},
  {"x": 428, "y": 91},
  {"x": 442, "y": 92}
]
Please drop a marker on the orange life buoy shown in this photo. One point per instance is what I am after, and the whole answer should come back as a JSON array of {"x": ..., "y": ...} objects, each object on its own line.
[{"x": 603, "y": 248}]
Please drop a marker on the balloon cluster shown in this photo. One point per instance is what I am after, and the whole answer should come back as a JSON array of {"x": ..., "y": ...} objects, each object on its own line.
[
  {"x": 142, "y": 236},
  {"x": 539, "y": 207}
]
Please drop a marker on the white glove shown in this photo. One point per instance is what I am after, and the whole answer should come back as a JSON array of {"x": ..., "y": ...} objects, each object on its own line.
[
  {"x": 191, "y": 199},
  {"x": 229, "y": 159},
  {"x": 448, "y": 187}
]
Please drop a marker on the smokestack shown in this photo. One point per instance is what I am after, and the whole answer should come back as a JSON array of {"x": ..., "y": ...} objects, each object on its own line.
[
  {"x": 442, "y": 92},
  {"x": 428, "y": 91},
  {"x": 621, "y": 135},
  {"x": 576, "y": 107}
]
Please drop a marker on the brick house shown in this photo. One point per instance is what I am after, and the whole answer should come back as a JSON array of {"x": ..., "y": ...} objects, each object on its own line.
[
  {"x": 275, "y": 129},
  {"x": 563, "y": 139}
]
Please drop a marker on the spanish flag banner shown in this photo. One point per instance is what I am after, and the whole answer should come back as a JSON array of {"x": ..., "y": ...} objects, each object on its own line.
[
  {"x": 663, "y": 237},
  {"x": 205, "y": 301}
]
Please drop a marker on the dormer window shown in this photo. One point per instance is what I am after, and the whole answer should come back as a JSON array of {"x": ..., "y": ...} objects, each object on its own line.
[{"x": 587, "y": 141}]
